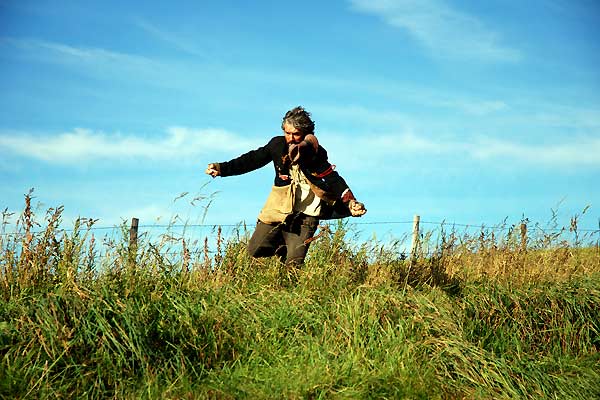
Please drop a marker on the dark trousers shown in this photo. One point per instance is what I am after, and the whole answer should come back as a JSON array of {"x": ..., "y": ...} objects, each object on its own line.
[{"x": 285, "y": 240}]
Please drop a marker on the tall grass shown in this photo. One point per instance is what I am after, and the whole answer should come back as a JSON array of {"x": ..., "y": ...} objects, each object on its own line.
[{"x": 477, "y": 317}]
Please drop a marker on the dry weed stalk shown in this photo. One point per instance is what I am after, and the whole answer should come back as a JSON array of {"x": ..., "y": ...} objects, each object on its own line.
[
  {"x": 206, "y": 254},
  {"x": 25, "y": 270},
  {"x": 186, "y": 257},
  {"x": 219, "y": 254}
]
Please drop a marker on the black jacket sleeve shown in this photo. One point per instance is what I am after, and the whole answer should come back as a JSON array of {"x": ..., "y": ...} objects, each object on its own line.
[{"x": 249, "y": 161}]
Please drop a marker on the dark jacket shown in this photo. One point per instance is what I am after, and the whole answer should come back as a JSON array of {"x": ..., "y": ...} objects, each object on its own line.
[{"x": 325, "y": 182}]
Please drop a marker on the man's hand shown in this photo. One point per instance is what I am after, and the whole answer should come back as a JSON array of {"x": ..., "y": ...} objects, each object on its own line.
[
  {"x": 295, "y": 150},
  {"x": 213, "y": 170},
  {"x": 357, "y": 209}
]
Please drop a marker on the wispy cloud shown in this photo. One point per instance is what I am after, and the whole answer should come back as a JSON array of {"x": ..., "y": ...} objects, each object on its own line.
[
  {"x": 477, "y": 108},
  {"x": 175, "y": 40},
  {"x": 113, "y": 65},
  {"x": 405, "y": 119},
  {"x": 85, "y": 146},
  {"x": 441, "y": 28},
  {"x": 181, "y": 74},
  {"x": 578, "y": 152}
]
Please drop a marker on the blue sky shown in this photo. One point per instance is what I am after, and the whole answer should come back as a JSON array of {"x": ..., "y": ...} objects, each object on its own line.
[{"x": 468, "y": 112}]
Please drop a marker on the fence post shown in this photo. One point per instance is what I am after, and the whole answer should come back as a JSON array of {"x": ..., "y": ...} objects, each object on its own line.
[
  {"x": 523, "y": 236},
  {"x": 415, "y": 239},
  {"x": 598, "y": 240},
  {"x": 133, "y": 237},
  {"x": 133, "y": 232}
]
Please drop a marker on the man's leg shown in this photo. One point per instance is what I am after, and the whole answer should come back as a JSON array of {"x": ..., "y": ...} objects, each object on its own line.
[
  {"x": 267, "y": 241},
  {"x": 298, "y": 230}
]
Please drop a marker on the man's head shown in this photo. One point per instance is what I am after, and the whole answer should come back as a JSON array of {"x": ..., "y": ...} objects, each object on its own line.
[{"x": 297, "y": 124}]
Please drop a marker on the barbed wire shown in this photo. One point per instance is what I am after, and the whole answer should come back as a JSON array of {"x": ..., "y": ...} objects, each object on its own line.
[{"x": 483, "y": 226}]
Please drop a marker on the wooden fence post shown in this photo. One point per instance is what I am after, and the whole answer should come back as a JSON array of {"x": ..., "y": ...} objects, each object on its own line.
[
  {"x": 414, "y": 246},
  {"x": 133, "y": 232},
  {"x": 133, "y": 237},
  {"x": 598, "y": 240},
  {"x": 523, "y": 236}
]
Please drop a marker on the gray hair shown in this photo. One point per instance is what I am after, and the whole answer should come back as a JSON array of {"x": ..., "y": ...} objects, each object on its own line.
[{"x": 300, "y": 119}]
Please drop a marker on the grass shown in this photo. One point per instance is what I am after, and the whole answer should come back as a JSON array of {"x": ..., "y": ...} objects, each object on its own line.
[{"x": 475, "y": 318}]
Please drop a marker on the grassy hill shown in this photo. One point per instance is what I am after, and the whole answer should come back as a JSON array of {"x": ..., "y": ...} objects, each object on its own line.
[{"x": 474, "y": 318}]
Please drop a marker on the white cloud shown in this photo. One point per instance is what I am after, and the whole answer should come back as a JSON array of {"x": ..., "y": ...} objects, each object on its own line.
[
  {"x": 577, "y": 152},
  {"x": 181, "y": 74},
  {"x": 100, "y": 62},
  {"x": 63, "y": 53},
  {"x": 364, "y": 115},
  {"x": 441, "y": 28},
  {"x": 480, "y": 108},
  {"x": 84, "y": 145},
  {"x": 380, "y": 150},
  {"x": 175, "y": 40},
  {"x": 406, "y": 120}
]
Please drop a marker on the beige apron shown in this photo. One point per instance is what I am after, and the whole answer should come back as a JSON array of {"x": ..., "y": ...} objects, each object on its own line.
[{"x": 279, "y": 205}]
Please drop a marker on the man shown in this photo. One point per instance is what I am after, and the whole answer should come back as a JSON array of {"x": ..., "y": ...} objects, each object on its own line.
[{"x": 306, "y": 189}]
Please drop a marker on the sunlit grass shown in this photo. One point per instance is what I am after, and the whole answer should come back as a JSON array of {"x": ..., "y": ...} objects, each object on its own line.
[{"x": 474, "y": 316}]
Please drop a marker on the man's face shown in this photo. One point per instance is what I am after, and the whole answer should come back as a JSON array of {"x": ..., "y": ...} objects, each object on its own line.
[{"x": 292, "y": 135}]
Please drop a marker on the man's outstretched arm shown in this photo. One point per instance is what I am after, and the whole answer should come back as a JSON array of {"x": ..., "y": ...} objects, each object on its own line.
[{"x": 247, "y": 162}]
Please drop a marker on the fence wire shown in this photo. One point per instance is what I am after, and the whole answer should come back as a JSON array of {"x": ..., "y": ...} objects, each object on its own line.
[{"x": 442, "y": 224}]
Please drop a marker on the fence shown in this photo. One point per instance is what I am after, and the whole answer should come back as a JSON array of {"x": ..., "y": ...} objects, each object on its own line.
[{"x": 415, "y": 233}]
